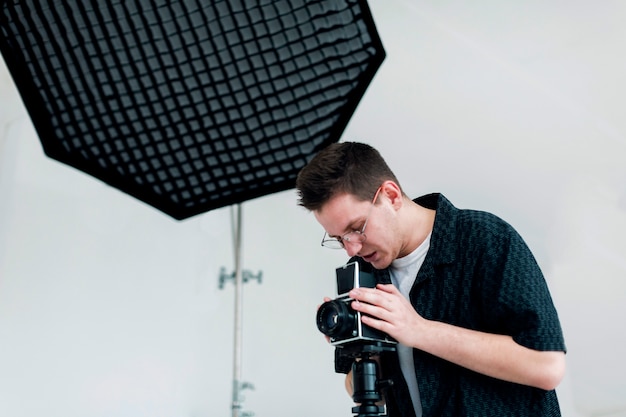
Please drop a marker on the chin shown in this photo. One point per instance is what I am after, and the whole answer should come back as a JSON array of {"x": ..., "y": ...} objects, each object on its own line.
[{"x": 379, "y": 263}]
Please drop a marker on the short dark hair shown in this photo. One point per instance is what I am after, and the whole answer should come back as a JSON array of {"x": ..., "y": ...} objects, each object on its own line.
[{"x": 346, "y": 167}]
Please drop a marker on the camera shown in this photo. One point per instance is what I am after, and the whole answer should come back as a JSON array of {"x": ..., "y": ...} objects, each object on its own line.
[{"x": 339, "y": 321}]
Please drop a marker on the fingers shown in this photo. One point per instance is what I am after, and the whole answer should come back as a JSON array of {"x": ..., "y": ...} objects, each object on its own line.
[
  {"x": 383, "y": 306},
  {"x": 382, "y": 296},
  {"x": 326, "y": 299},
  {"x": 386, "y": 309}
]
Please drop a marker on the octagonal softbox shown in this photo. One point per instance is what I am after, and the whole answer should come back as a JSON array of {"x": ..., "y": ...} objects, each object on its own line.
[{"x": 189, "y": 105}]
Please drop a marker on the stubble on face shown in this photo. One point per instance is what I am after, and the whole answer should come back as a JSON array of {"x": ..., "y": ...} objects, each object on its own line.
[{"x": 344, "y": 213}]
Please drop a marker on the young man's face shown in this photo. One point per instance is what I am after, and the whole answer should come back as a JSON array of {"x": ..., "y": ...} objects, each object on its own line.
[{"x": 343, "y": 214}]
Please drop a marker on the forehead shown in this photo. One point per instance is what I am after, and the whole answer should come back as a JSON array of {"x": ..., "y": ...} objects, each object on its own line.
[{"x": 342, "y": 213}]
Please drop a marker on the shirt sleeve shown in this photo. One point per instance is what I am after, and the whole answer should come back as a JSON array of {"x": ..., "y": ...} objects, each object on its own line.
[{"x": 522, "y": 305}]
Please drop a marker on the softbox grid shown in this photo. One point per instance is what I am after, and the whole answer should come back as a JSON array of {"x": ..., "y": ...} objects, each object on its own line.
[{"x": 190, "y": 105}]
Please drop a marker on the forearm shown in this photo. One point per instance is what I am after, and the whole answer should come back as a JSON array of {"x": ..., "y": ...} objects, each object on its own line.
[
  {"x": 498, "y": 356},
  {"x": 349, "y": 384},
  {"x": 494, "y": 355}
]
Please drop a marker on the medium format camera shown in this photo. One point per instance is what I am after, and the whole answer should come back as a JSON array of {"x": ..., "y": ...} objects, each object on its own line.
[{"x": 339, "y": 321}]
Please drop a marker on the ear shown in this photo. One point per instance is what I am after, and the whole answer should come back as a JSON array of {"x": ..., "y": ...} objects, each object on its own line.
[{"x": 392, "y": 192}]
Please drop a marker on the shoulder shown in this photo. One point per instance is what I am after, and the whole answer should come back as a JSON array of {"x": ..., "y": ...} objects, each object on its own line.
[
  {"x": 450, "y": 219},
  {"x": 468, "y": 230}
]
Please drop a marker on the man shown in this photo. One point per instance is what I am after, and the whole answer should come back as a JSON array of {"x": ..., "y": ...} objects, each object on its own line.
[{"x": 458, "y": 289}]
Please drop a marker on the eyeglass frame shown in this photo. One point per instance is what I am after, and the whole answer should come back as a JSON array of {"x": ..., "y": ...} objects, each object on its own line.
[{"x": 339, "y": 241}]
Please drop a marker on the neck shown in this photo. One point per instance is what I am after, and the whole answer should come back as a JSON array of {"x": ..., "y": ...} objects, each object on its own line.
[{"x": 419, "y": 223}]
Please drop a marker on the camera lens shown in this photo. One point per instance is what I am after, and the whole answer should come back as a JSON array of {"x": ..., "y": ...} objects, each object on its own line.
[{"x": 336, "y": 319}]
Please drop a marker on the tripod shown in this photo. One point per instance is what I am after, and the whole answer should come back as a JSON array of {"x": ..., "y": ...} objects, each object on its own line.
[{"x": 366, "y": 392}]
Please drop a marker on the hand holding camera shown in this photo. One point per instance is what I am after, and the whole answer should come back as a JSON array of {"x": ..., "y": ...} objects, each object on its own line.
[
  {"x": 385, "y": 309},
  {"x": 339, "y": 321},
  {"x": 358, "y": 343}
]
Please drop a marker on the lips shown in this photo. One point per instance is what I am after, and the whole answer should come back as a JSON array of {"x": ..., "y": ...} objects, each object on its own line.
[{"x": 369, "y": 258}]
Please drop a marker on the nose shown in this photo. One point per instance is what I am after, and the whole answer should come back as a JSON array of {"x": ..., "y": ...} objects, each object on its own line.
[{"x": 352, "y": 248}]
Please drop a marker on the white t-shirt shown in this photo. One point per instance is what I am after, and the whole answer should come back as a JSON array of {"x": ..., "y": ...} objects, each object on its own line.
[{"x": 403, "y": 273}]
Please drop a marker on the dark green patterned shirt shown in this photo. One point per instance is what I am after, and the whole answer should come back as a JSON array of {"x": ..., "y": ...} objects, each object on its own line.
[{"x": 478, "y": 274}]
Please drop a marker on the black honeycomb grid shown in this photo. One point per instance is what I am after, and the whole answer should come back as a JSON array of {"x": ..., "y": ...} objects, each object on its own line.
[{"x": 190, "y": 105}]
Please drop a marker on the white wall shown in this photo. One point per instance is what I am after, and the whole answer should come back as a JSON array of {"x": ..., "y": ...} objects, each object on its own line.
[{"x": 110, "y": 308}]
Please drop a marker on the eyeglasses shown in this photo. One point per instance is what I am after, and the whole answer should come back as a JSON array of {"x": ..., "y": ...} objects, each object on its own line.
[{"x": 355, "y": 236}]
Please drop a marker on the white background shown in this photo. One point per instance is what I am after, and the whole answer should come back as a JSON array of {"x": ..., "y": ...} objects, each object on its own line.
[{"x": 110, "y": 308}]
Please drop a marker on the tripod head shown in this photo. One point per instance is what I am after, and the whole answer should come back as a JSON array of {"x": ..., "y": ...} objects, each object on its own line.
[{"x": 367, "y": 388}]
